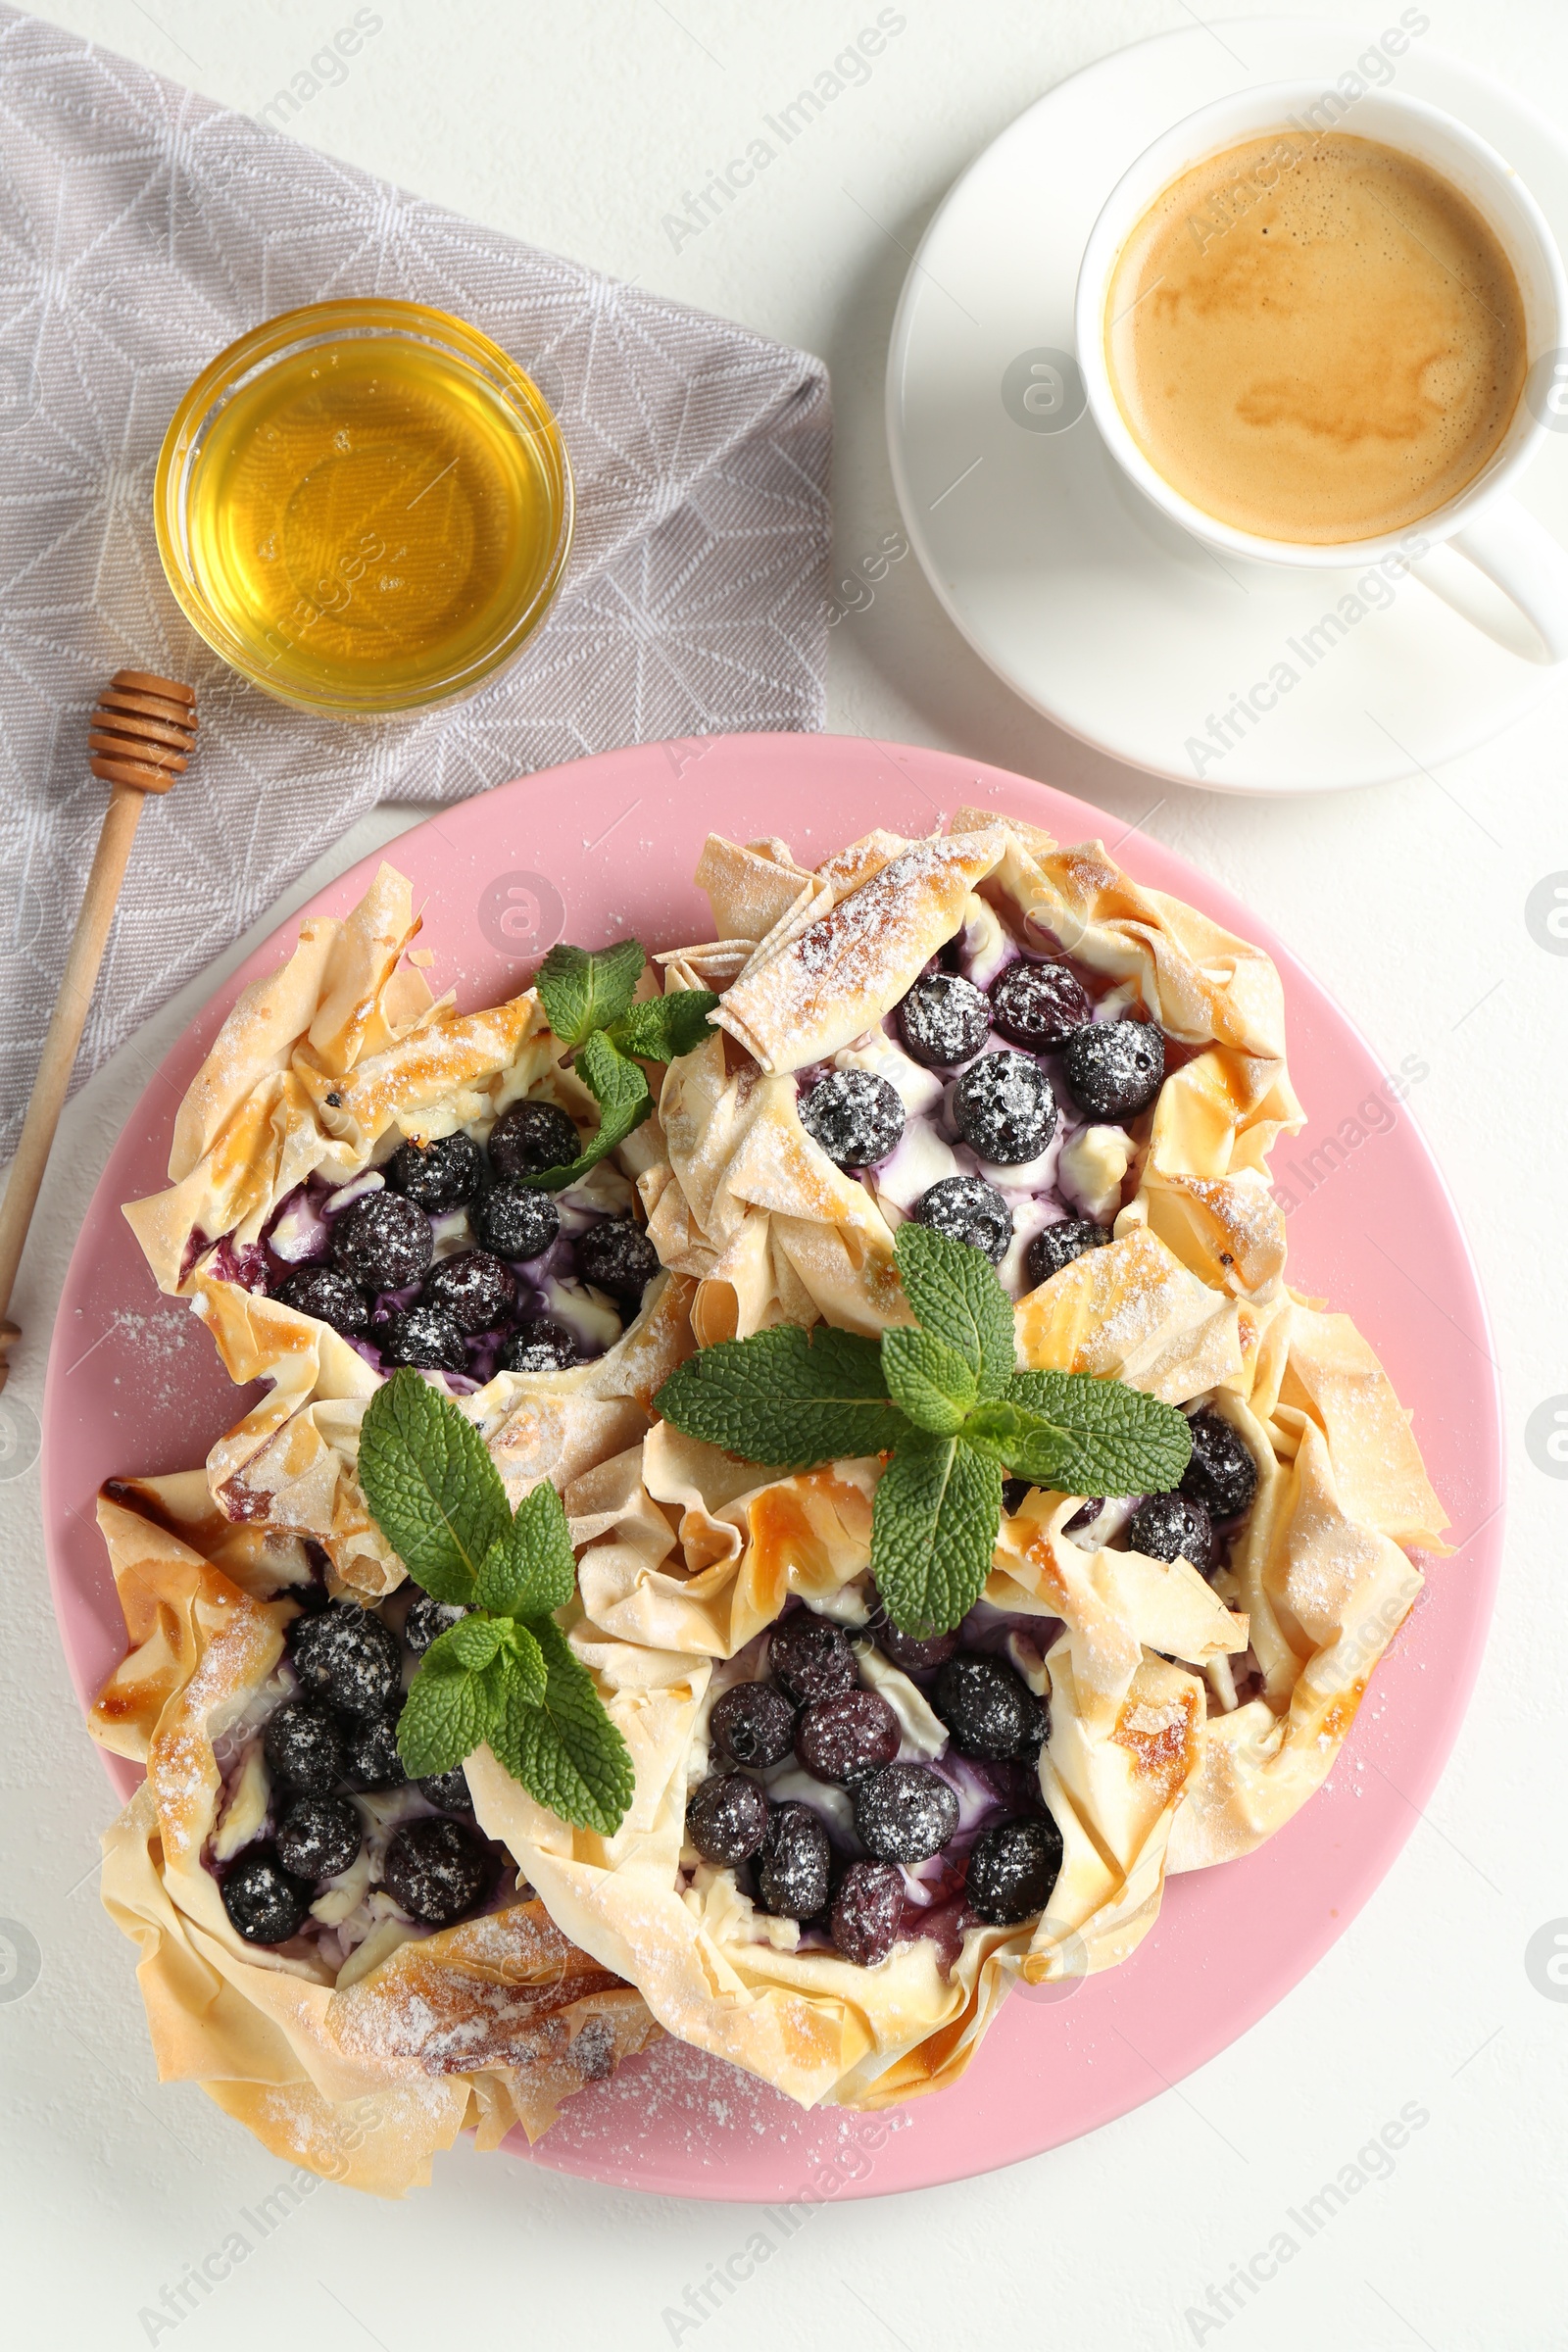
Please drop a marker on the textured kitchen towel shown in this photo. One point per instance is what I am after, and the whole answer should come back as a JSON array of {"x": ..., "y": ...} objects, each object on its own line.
[{"x": 141, "y": 230}]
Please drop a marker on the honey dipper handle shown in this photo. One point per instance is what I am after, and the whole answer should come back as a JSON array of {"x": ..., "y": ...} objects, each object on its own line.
[{"x": 48, "y": 1095}]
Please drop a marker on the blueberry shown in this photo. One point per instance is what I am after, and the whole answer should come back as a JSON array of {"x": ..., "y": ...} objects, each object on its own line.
[
  {"x": 436, "y": 1869},
  {"x": 1003, "y": 1107},
  {"x": 1016, "y": 1493},
  {"x": 844, "y": 1738},
  {"x": 854, "y": 1116},
  {"x": 1114, "y": 1068},
  {"x": 591, "y": 2052},
  {"x": 1058, "y": 1244},
  {"x": 478, "y": 1290},
  {"x": 381, "y": 1241},
  {"x": 440, "y": 1176},
  {"x": 1039, "y": 1005},
  {"x": 792, "y": 1874},
  {"x": 753, "y": 1723},
  {"x": 909, "y": 1652},
  {"x": 968, "y": 1209},
  {"x": 944, "y": 1020},
  {"x": 866, "y": 1911},
  {"x": 810, "y": 1657},
  {"x": 906, "y": 1814},
  {"x": 531, "y": 1136},
  {"x": 1221, "y": 1475},
  {"x": 265, "y": 1904},
  {"x": 539, "y": 1344},
  {"x": 302, "y": 1744},
  {"x": 424, "y": 1336},
  {"x": 371, "y": 1751},
  {"x": 325, "y": 1293},
  {"x": 448, "y": 1789},
  {"x": 990, "y": 1711},
  {"x": 618, "y": 1257},
  {"x": 317, "y": 1837},
  {"x": 428, "y": 1618},
  {"x": 1169, "y": 1527},
  {"x": 510, "y": 1221},
  {"x": 347, "y": 1657},
  {"x": 726, "y": 1818},
  {"x": 1013, "y": 1869}
]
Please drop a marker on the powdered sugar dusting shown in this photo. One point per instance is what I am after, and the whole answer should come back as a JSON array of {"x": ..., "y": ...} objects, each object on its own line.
[
  {"x": 846, "y": 971},
  {"x": 679, "y": 2108}
]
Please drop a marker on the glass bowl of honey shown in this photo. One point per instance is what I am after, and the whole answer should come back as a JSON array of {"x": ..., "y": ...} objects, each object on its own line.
[{"x": 365, "y": 506}]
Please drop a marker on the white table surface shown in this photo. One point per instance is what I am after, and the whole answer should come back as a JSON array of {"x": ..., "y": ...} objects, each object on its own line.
[{"x": 579, "y": 129}]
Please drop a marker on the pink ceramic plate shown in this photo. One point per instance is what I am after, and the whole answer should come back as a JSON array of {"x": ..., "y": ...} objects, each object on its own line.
[{"x": 587, "y": 852}]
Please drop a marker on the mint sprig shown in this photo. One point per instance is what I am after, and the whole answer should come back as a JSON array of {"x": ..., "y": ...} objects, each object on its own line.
[
  {"x": 503, "y": 1673},
  {"x": 933, "y": 1530},
  {"x": 581, "y": 991},
  {"x": 788, "y": 1397},
  {"x": 587, "y": 998},
  {"x": 945, "y": 1404}
]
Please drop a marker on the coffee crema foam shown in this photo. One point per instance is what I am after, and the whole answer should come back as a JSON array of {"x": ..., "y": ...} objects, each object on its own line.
[{"x": 1316, "y": 339}]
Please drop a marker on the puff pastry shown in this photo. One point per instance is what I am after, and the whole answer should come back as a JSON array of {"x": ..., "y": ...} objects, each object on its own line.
[
  {"x": 1189, "y": 1713},
  {"x": 812, "y": 968},
  {"x": 1193, "y": 1664},
  {"x": 323, "y": 1077},
  {"x": 359, "y": 2048}
]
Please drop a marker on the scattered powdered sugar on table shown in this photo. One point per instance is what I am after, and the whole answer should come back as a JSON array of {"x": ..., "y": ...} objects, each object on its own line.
[{"x": 691, "y": 2108}]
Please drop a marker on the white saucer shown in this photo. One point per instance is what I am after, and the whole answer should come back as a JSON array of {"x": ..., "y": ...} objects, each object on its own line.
[{"x": 1066, "y": 580}]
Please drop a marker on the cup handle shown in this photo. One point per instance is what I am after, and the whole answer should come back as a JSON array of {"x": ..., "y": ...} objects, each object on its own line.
[{"x": 1520, "y": 556}]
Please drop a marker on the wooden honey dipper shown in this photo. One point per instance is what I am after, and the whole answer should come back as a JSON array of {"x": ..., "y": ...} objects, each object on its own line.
[{"x": 139, "y": 739}]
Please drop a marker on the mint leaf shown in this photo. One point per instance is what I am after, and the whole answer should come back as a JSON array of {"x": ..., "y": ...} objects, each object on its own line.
[
  {"x": 929, "y": 1380},
  {"x": 1083, "y": 1436},
  {"x": 621, "y": 1090},
  {"x": 581, "y": 993},
  {"x": 473, "y": 1643},
  {"x": 449, "y": 1709},
  {"x": 665, "y": 1027},
  {"x": 786, "y": 1398},
  {"x": 565, "y": 1752},
  {"x": 430, "y": 1485},
  {"x": 523, "y": 1664},
  {"x": 531, "y": 1571},
  {"x": 956, "y": 1292},
  {"x": 933, "y": 1530}
]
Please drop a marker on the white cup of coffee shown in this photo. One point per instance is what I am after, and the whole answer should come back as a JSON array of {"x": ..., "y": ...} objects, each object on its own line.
[{"x": 1364, "y": 387}]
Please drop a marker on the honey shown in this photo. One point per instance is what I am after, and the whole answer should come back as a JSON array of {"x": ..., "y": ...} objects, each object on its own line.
[{"x": 365, "y": 506}]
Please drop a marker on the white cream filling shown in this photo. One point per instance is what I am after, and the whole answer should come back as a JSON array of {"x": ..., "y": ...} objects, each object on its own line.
[
  {"x": 586, "y": 1312},
  {"x": 923, "y": 1159},
  {"x": 985, "y": 948},
  {"x": 246, "y": 1810},
  {"x": 730, "y": 1916},
  {"x": 787, "y": 1784},
  {"x": 370, "y": 1180},
  {"x": 345, "y": 1892},
  {"x": 846, "y": 1606},
  {"x": 300, "y": 1231},
  {"x": 922, "y": 1734},
  {"x": 1029, "y": 1661},
  {"x": 1091, "y": 1168},
  {"x": 917, "y": 1088}
]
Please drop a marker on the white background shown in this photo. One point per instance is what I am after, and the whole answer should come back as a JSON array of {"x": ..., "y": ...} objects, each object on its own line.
[{"x": 577, "y": 128}]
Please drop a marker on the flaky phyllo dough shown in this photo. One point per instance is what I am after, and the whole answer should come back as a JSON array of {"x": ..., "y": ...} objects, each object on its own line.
[
  {"x": 1188, "y": 1718},
  {"x": 810, "y": 966},
  {"x": 320, "y": 1070},
  {"x": 358, "y": 2072}
]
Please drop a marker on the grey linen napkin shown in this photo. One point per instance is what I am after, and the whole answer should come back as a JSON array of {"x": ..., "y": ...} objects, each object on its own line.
[{"x": 141, "y": 230}]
